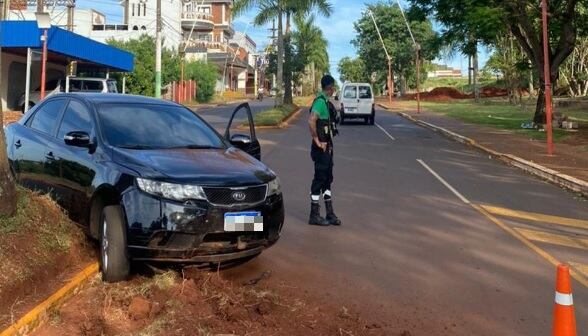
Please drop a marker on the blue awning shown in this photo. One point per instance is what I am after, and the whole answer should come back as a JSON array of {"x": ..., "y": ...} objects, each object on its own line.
[{"x": 26, "y": 34}]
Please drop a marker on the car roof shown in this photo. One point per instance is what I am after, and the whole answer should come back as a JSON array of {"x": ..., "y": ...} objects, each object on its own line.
[
  {"x": 91, "y": 78},
  {"x": 346, "y": 84},
  {"x": 106, "y": 98}
]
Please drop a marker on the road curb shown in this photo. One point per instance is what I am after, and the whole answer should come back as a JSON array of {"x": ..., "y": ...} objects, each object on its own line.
[
  {"x": 39, "y": 314},
  {"x": 553, "y": 176},
  {"x": 208, "y": 106},
  {"x": 284, "y": 123}
]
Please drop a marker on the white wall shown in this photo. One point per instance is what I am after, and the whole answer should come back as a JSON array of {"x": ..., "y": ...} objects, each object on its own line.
[{"x": 12, "y": 83}]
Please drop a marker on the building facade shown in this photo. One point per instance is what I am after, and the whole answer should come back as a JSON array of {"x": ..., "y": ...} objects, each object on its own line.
[{"x": 202, "y": 30}]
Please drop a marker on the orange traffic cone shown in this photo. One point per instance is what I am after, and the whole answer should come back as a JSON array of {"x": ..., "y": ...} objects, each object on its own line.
[{"x": 564, "y": 322}]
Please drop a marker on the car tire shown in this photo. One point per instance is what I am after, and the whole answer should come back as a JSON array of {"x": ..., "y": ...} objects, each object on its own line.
[{"x": 114, "y": 260}]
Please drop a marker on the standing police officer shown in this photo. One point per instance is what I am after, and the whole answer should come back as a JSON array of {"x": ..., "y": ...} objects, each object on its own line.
[{"x": 321, "y": 129}]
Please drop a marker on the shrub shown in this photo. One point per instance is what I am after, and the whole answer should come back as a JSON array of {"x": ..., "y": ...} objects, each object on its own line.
[{"x": 205, "y": 74}]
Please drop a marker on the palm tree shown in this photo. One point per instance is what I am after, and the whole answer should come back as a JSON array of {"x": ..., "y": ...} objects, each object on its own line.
[
  {"x": 312, "y": 45},
  {"x": 276, "y": 9}
]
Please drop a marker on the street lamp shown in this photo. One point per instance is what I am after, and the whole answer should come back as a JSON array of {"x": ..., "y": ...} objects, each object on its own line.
[
  {"x": 390, "y": 78},
  {"x": 43, "y": 22}
]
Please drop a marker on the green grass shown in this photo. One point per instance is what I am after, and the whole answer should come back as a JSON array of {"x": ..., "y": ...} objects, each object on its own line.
[
  {"x": 460, "y": 83},
  {"x": 498, "y": 113},
  {"x": 274, "y": 116}
]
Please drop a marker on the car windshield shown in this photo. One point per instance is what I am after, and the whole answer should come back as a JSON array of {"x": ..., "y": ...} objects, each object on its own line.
[{"x": 152, "y": 126}]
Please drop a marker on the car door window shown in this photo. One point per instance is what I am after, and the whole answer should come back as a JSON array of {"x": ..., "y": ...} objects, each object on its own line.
[
  {"x": 365, "y": 92},
  {"x": 350, "y": 92},
  {"x": 76, "y": 118},
  {"x": 46, "y": 118},
  {"x": 93, "y": 86}
]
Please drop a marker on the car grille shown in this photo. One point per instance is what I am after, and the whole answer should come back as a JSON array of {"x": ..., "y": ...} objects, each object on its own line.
[{"x": 236, "y": 196}]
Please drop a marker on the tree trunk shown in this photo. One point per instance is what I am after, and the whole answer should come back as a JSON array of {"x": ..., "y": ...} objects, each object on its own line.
[
  {"x": 280, "y": 70},
  {"x": 475, "y": 75},
  {"x": 539, "y": 117},
  {"x": 470, "y": 70},
  {"x": 287, "y": 64},
  {"x": 313, "y": 79}
]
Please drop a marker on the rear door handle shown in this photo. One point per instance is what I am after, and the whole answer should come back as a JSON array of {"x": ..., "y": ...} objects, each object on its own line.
[
  {"x": 50, "y": 156},
  {"x": 18, "y": 144}
]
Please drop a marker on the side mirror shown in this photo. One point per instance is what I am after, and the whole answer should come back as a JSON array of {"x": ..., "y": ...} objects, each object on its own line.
[
  {"x": 240, "y": 139},
  {"x": 77, "y": 139}
]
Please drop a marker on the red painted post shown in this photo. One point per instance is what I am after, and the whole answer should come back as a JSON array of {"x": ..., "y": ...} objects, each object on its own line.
[
  {"x": 44, "y": 64},
  {"x": 547, "y": 75}
]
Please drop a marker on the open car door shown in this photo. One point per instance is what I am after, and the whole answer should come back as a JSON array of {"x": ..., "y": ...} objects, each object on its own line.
[{"x": 239, "y": 137}]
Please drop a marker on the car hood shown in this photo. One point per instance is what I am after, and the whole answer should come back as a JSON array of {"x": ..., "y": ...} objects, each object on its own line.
[{"x": 213, "y": 167}]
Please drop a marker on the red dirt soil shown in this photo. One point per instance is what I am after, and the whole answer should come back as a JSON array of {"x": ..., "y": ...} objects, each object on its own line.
[
  {"x": 32, "y": 271},
  {"x": 201, "y": 303},
  {"x": 442, "y": 94}
]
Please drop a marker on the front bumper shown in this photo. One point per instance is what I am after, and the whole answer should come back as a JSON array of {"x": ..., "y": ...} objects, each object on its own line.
[{"x": 164, "y": 230}]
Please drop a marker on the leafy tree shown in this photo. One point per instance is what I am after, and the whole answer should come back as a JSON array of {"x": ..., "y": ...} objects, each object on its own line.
[
  {"x": 511, "y": 61},
  {"x": 276, "y": 9},
  {"x": 484, "y": 20},
  {"x": 205, "y": 74},
  {"x": 142, "y": 80},
  {"x": 574, "y": 71},
  {"x": 352, "y": 70},
  {"x": 398, "y": 42},
  {"x": 311, "y": 48}
]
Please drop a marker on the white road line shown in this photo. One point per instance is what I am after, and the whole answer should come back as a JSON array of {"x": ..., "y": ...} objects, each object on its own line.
[
  {"x": 461, "y": 197},
  {"x": 386, "y": 132}
]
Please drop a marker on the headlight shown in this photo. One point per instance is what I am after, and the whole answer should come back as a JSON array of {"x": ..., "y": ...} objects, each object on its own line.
[
  {"x": 273, "y": 187},
  {"x": 179, "y": 192}
]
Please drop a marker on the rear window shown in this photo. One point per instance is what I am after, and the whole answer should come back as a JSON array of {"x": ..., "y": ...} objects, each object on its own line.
[
  {"x": 365, "y": 92},
  {"x": 93, "y": 86},
  {"x": 350, "y": 92},
  {"x": 111, "y": 86}
]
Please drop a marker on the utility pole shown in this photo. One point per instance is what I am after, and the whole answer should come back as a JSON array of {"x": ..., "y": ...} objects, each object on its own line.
[
  {"x": 158, "y": 52},
  {"x": 547, "y": 75},
  {"x": 70, "y": 27},
  {"x": 417, "y": 49},
  {"x": 390, "y": 78}
]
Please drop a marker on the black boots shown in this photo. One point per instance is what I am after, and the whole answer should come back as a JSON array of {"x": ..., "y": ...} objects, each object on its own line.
[
  {"x": 331, "y": 217},
  {"x": 315, "y": 215}
]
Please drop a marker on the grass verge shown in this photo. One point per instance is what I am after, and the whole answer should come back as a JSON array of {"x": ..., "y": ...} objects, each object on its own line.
[
  {"x": 274, "y": 116},
  {"x": 497, "y": 113}
]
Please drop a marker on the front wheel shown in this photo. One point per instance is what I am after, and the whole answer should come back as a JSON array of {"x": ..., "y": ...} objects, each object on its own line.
[{"x": 114, "y": 259}]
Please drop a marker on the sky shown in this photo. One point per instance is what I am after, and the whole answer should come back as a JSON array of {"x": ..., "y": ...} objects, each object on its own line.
[{"x": 338, "y": 29}]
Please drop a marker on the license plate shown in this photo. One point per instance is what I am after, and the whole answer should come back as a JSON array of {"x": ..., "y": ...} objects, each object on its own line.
[
  {"x": 351, "y": 109},
  {"x": 243, "y": 221}
]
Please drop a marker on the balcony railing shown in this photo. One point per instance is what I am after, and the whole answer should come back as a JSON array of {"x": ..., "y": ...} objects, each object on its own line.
[{"x": 197, "y": 16}]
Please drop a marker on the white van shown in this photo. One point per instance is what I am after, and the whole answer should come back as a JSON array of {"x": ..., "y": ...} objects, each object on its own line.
[
  {"x": 357, "y": 101},
  {"x": 76, "y": 84}
]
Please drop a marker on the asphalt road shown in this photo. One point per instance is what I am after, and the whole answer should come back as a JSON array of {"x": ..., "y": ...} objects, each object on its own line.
[
  {"x": 416, "y": 252},
  {"x": 219, "y": 117}
]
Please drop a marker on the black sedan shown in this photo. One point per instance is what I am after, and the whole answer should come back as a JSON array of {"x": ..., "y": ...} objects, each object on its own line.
[{"x": 149, "y": 179}]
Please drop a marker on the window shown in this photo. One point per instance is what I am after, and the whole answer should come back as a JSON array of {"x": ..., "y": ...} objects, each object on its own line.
[
  {"x": 204, "y": 9},
  {"x": 45, "y": 119},
  {"x": 350, "y": 92},
  {"x": 76, "y": 118},
  {"x": 144, "y": 9},
  {"x": 135, "y": 28},
  {"x": 143, "y": 28},
  {"x": 75, "y": 85},
  {"x": 204, "y": 37},
  {"x": 365, "y": 92},
  {"x": 133, "y": 10},
  {"x": 111, "y": 87},
  {"x": 147, "y": 126},
  {"x": 93, "y": 86}
]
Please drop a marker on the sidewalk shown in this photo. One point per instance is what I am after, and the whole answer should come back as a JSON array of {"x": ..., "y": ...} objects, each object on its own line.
[{"x": 569, "y": 160}]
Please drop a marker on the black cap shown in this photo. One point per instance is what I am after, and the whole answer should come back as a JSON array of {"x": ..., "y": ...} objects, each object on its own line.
[{"x": 327, "y": 81}]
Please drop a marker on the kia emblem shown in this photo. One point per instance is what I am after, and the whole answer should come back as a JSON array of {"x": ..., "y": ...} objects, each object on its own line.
[{"x": 239, "y": 196}]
